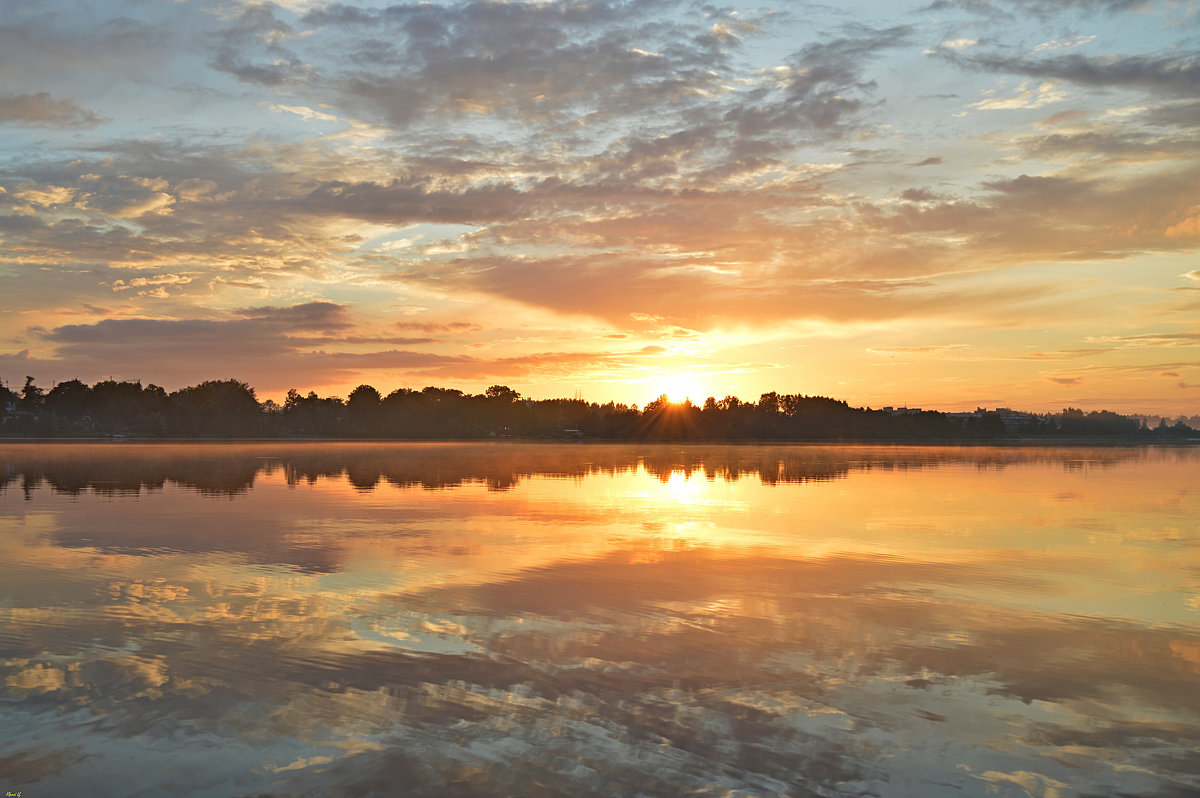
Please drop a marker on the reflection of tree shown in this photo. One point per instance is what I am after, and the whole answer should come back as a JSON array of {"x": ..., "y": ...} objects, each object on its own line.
[{"x": 229, "y": 469}]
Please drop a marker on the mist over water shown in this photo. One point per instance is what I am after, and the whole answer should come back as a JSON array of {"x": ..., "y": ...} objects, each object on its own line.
[{"x": 524, "y": 619}]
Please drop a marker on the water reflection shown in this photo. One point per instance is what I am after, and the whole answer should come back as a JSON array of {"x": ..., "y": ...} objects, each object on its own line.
[
  {"x": 315, "y": 620},
  {"x": 231, "y": 469}
]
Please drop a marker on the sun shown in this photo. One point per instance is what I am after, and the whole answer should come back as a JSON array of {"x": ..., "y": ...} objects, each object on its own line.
[{"x": 680, "y": 388}]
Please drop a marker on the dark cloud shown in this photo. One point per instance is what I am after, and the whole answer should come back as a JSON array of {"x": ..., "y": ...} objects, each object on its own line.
[
  {"x": 438, "y": 327},
  {"x": 1113, "y": 143},
  {"x": 535, "y": 62},
  {"x": 42, "y": 110},
  {"x": 310, "y": 340},
  {"x": 272, "y": 348},
  {"x": 1177, "y": 74},
  {"x": 274, "y": 74},
  {"x": 1038, "y": 8},
  {"x": 418, "y": 199},
  {"x": 817, "y": 91},
  {"x": 257, "y": 28},
  {"x": 1063, "y": 216},
  {"x": 1185, "y": 115},
  {"x": 309, "y": 316},
  {"x": 165, "y": 206},
  {"x": 86, "y": 47},
  {"x": 258, "y": 344},
  {"x": 338, "y": 14},
  {"x": 918, "y": 195}
]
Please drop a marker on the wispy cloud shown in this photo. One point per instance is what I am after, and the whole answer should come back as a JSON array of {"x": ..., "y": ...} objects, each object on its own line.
[
  {"x": 1063, "y": 44},
  {"x": 1026, "y": 96}
]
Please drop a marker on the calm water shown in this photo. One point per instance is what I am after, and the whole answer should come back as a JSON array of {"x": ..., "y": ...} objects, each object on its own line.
[{"x": 379, "y": 619}]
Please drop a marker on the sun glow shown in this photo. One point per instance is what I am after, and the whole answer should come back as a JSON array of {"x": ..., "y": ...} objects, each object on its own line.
[{"x": 680, "y": 388}]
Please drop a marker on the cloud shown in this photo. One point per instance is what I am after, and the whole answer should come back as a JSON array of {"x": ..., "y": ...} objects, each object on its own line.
[
  {"x": 919, "y": 350},
  {"x": 308, "y": 316},
  {"x": 918, "y": 195},
  {"x": 1027, "y": 97},
  {"x": 1010, "y": 9},
  {"x": 1068, "y": 354},
  {"x": 261, "y": 347},
  {"x": 156, "y": 285},
  {"x": 45, "y": 196},
  {"x": 1115, "y": 142},
  {"x": 1062, "y": 44},
  {"x": 625, "y": 166},
  {"x": 1164, "y": 74},
  {"x": 438, "y": 327},
  {"x": 1153, "y": 339},
  {"x": 41, "y": 110},
  {"x": 629, "y": 290},
  {"x": 277, "y": 347},
  {"x": 305, "y": 113},
  {"x": 1188, "y": 227},
  {"x": 1057, "y": 216},
  {"x": 815, "y": 87},
  {"x": 547, "y": 62}
]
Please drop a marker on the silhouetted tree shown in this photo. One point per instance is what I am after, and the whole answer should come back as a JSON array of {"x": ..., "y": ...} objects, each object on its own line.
[
  {"x": 216, "y": 407},
  {"x": 312, "y": 414},
  {"x": 31, "y": 396},
  {"x": 502, "y": 393},
  {"x": 364, "y": 410},
  {"x": 229, "y": 408},
  {"x": 70, "y": 401},
  {"x": 8, "y": 397}
]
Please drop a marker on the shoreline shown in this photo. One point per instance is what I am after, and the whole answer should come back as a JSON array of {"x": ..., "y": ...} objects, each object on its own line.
[{"x": 1009, "y": 442}]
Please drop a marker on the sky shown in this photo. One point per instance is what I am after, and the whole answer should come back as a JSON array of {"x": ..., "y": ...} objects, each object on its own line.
[{"x": 946, "y": 205}]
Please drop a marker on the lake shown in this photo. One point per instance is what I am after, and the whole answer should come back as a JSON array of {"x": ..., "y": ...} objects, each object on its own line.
[{"x": 295, "y": 619}]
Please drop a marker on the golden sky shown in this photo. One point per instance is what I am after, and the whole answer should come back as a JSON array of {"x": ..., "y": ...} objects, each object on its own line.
[{"x": 969, "y": 202}]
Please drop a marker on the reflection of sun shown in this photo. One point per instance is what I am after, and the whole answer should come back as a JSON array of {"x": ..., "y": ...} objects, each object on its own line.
[{"x": 686, "y": 489}]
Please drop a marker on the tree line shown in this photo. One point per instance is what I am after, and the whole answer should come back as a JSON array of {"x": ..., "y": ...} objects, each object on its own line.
[{"x": 230, "y": 409}]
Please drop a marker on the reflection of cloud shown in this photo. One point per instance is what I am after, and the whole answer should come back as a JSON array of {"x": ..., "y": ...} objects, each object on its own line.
[{"x": 596, "y": 656}]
